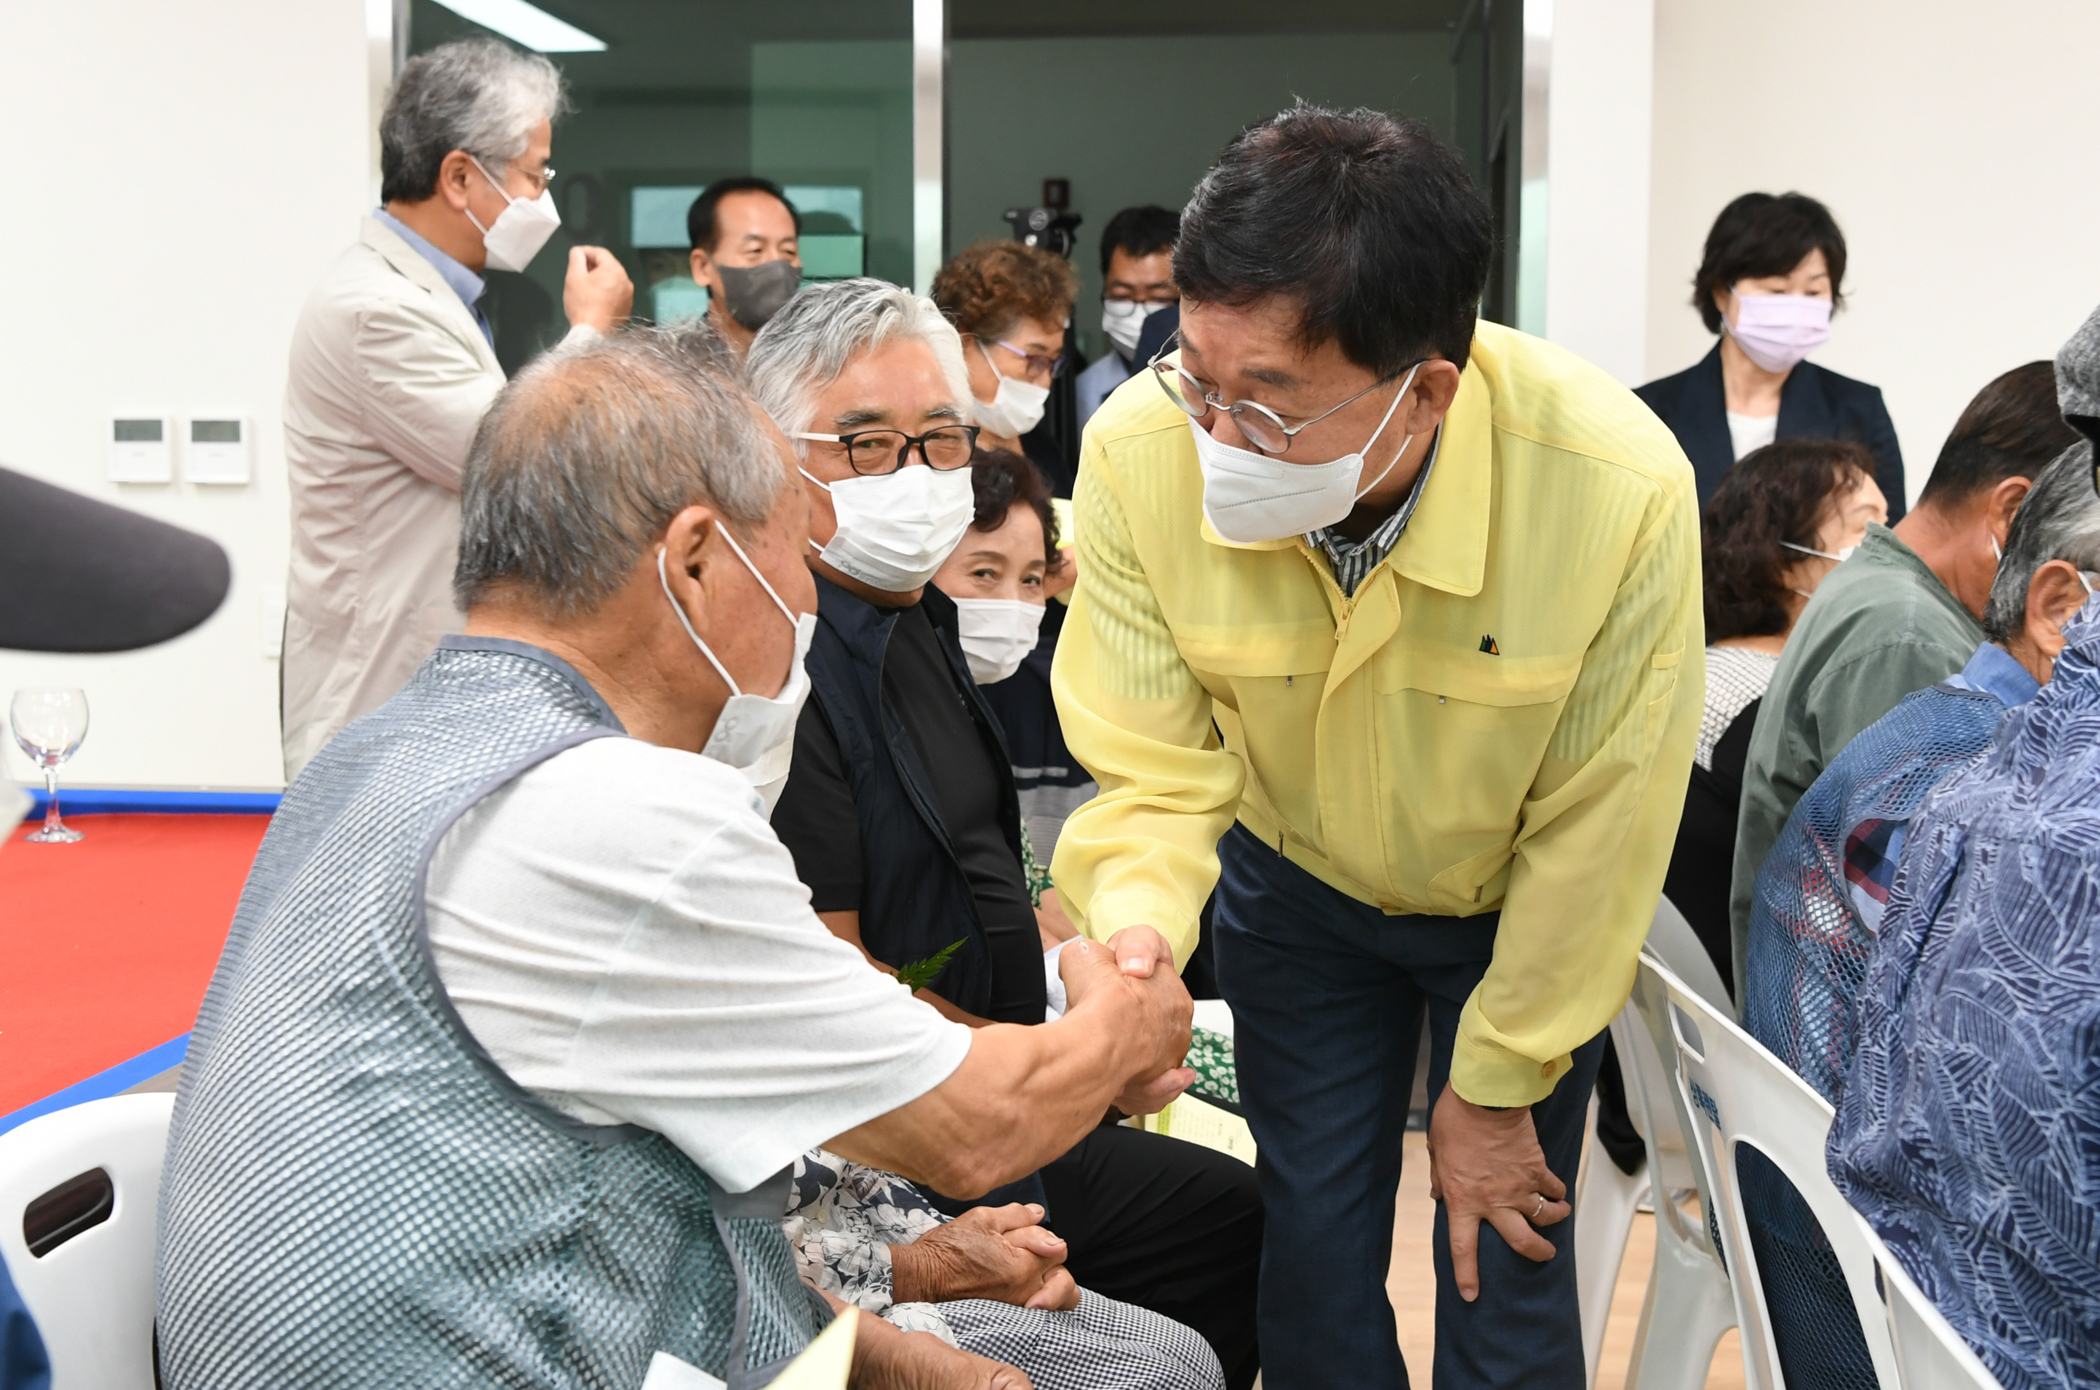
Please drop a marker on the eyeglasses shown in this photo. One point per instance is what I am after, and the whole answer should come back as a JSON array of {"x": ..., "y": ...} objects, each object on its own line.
[
  {"x": 1034, "y": 364},
  {"x": 1261, "y": 426},
  {"x": 539, "y": 181},
  {"x": 872, "y": 453}
]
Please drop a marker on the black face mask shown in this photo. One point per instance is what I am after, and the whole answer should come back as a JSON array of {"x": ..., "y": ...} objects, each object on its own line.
[{"x": 753, "y": 294}]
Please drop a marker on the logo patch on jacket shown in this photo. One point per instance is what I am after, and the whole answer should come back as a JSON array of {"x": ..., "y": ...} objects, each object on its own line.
[{"x": 1487, "y": 644}]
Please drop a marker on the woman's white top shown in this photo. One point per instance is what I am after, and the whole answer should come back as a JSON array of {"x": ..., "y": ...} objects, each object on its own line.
[
  {"x": 1748, "y": 432},
  {"x": 1734, "y": 677}
]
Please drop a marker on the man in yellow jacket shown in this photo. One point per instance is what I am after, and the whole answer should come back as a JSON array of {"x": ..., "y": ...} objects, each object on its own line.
[{"x": 1388, "y": 627}]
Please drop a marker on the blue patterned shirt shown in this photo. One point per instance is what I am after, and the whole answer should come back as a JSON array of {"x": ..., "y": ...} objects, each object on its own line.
[
  {"x": 1824, "y": 887},
  {"x": 1969, "y": 1128}
]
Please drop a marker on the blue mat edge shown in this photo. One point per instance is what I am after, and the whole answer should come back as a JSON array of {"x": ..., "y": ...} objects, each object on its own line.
[
  {"x": 117, "y": 1080},
  {"x": 90, "y": 801}
]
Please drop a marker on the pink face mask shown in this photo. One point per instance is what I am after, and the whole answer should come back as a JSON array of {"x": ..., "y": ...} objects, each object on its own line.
[{"x": 1777, "y": 330}]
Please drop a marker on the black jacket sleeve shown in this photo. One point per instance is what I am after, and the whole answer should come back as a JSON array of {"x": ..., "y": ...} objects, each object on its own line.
[{"x": 816, "y": 818}]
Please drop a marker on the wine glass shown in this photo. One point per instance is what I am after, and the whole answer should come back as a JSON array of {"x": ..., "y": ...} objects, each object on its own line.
[{"x": 50, "y": 722}]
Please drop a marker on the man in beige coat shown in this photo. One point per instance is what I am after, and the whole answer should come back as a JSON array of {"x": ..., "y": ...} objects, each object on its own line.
[{"x": 392, "y": 367}]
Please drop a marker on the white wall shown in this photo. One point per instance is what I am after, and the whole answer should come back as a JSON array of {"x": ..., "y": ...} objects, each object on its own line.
[
  {"x": 1956, "y": 144},
  {"x": 1597, "y": 157},
  {"x": 178, "y": 175}
]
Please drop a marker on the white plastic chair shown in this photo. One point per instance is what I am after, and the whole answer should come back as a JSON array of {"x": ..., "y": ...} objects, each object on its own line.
[
  {"x": 1733, "y": 1095},
  {"x": 1687, "y": 1289},
  {"x": 89, "y": 1281},
  {"x": 1930, "y": 1354}
]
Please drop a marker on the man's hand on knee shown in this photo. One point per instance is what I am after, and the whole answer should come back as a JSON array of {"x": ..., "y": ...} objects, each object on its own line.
[{"x": 1486, "y": 1165}]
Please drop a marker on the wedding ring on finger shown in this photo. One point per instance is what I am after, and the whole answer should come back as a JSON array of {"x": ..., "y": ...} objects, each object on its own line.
[{"x": 1541, "y": 1207}]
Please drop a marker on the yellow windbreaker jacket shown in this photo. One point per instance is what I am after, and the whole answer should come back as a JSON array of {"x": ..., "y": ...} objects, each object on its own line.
[{"x": 1502, "y": 717}]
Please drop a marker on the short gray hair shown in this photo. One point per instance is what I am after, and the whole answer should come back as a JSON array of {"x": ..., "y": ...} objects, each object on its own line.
[
  {"x": 588, "y": 454},
  {"x": 2058, "y": 520},
  {"x": 805, "y": 346},
  {"x": 477, "y": 95}
]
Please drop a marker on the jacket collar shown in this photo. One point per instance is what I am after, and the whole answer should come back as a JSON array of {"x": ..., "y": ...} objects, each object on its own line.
[
  {"x": 1445, "y": 544},
  {"x": 411, "y": 266}
]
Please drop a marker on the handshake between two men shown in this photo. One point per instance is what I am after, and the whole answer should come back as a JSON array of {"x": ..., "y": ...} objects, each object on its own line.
[{"x": 1023, "y": 1096}]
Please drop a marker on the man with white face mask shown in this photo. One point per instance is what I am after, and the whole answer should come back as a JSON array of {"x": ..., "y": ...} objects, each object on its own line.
[
  {"x": 522, "y": 970},
  {"x": 1388, "y": 628},
  {"x": 1137, "y": 281},
  {"x": 392, "y": 366},
  {"x": 901, "y": 810}
]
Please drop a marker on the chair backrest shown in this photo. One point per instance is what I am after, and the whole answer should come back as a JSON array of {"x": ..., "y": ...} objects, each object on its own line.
[
  {"x": 1651, "y": 1092},
  {"x": 79, "y": 1200},
  {"x": 1930, "y": 1354},
  {"x": 1802, "y": 1277},
  {"x": 1672, "y": 941}
]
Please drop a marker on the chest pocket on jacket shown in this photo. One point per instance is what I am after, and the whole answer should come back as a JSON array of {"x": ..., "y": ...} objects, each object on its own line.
[{"x": 1464, "y": 733}]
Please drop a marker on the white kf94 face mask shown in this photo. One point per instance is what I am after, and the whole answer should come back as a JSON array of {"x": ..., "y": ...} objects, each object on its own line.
[
  {"x": 1249, "y": 497},
  {"x": 1123, "y": 322},
  {"x": 520, "y": 230},
  {"x": 755, "y": 734},
  {"x": 1015, "y": 409},
  {"x": 896, "y": 529},
  {"x": 997, "y": 635}
]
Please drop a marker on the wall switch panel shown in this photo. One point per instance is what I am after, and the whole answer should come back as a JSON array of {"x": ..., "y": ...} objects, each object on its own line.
[
  {"x": 141, "y": 449},
  {"x": 217, "y": 452}
]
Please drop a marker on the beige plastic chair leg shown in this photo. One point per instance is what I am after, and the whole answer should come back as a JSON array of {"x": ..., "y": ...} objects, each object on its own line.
[
  {"x": 1687, "y": 1309},
  {"x": 1689, "y": 1303}
]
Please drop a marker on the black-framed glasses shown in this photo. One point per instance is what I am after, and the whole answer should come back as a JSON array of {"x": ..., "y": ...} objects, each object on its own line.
[
  {"x": 1261, "y": 426},
  {"x": 872, "y": 453}
]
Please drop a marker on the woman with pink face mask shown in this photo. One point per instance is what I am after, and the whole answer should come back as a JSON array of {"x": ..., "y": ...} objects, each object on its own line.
[{"x": 1772, "y": 276}]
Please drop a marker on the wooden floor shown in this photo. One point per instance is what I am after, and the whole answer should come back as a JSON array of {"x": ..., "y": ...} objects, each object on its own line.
[{"x": 1412, "y": 1286}]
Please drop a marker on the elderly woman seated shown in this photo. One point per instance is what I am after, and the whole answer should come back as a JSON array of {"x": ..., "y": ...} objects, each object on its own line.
[
  {"x": 991, "y": 1282},
  {"x": 524, "y": 1018}
]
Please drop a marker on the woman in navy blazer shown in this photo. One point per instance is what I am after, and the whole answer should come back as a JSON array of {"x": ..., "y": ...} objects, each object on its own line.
[{"x": 1768, "y": 260}]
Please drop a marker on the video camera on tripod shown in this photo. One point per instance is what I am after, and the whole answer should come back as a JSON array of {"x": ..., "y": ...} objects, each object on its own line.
[{"x": 1050, "y": 226}]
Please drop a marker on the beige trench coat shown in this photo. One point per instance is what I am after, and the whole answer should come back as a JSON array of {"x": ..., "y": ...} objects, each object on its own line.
[{"x": 389, "y": 378}]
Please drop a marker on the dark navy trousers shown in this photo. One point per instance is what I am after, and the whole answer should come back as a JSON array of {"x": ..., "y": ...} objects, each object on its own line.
[{"x": 1327, "y": 996}]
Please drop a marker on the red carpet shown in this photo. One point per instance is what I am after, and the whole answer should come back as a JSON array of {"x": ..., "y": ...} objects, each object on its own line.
[{"x": 106, "y": 945}]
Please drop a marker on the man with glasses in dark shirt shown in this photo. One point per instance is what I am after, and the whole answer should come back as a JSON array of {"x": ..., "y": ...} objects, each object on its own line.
[{"x": 900, "y": 807}]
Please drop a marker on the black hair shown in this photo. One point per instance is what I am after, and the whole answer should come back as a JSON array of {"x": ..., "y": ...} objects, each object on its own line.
[
  {"x": 998, "y": 479},
  {"x": 1773, "y": 496},
  {"x": 1762, "y": 234},
  {"x": 700, "y": 217},
  {"x": 1138, "y": 232},
  {"x": 1367, "y": 220},
  {"x": 2011, "y": 430}
]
